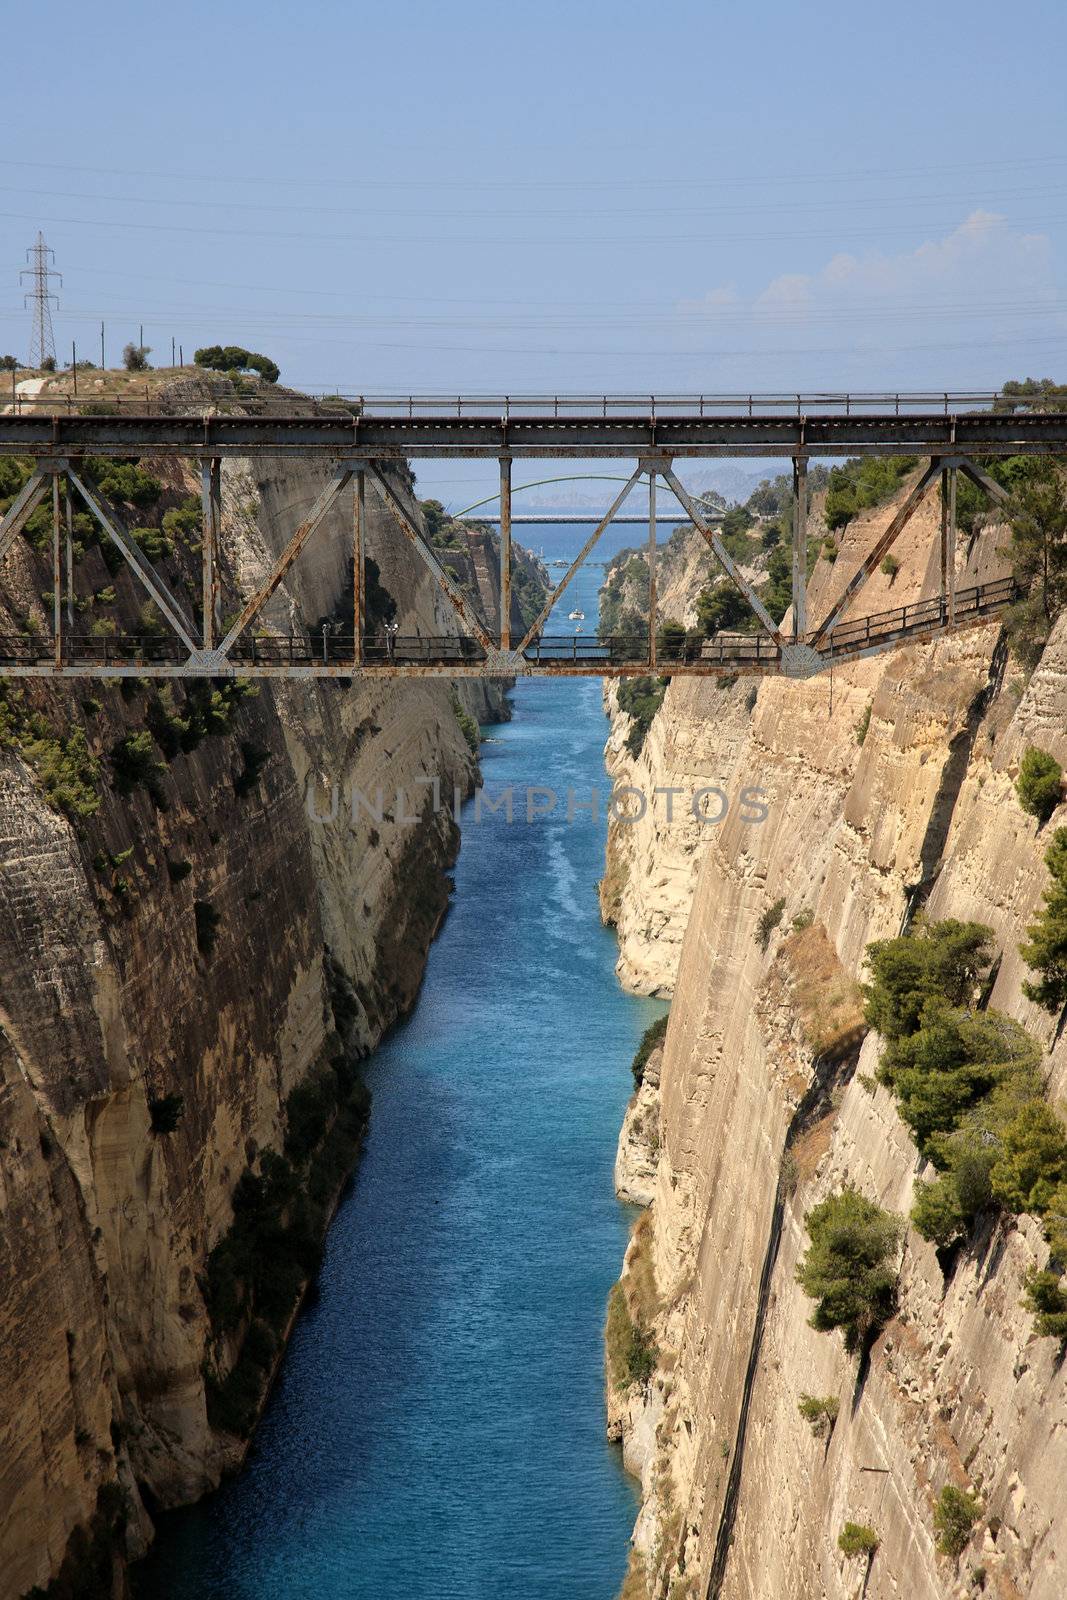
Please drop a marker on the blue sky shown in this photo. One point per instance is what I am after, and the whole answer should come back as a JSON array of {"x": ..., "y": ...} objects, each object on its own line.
[{"x": 553, "y": 197}]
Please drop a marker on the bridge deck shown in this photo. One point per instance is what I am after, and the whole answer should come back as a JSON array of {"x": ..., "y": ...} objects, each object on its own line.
[
  {"x": 572, "y": 655},
  {"x": 359, "y": 435}
]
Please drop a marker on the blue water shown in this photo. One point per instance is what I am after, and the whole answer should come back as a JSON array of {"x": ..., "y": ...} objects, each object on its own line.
[{"x": 438, "y": 1427}]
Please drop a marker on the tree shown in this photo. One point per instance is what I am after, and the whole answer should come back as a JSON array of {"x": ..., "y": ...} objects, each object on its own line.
[
  {"x": 952, "y": 1060},
  {"x": 939, "y": 959},
  {"x": 135, "y": 357},
  {"x": 856, "y": 1539},
  {"x": 955, "y": 1515},
  {"x": 721, "y": 607},
  {"x": 1046, "y": 949},
  {"x": 1043, "y": 1294},
  {"x": 235, "y": 358},
  {"x": 846, "y": 1269},
  {"x": 1039, "y": 533},
  {"x": 1032, "y": 1161},
  {"x": 819, "y": 1412},
  {"x": 670, "y": 639},
  {"x": 1039, "y": 785},
  {"x": 9, "y": 363}
]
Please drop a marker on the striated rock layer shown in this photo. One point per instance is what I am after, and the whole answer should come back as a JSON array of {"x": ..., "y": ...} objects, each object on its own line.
[
  {"x": 108, "y": 1000},
  {"x": 740, "y": 1499}
]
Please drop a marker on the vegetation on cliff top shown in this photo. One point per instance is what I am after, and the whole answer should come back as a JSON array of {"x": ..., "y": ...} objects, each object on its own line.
[{"x": 651, "y": 1039}]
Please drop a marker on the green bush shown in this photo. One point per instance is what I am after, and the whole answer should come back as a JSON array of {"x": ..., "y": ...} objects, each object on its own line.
[
  {"x": 632, "y": 1351},
  {"x": 946, "y": 960},
  {"x": 207, "y": 920},
  {"x": 767, "y": 921},
  {"x": 178, "y": 871},
  {"x": 1044, "y": 1295},
  {"x": 890, "y": 566},
  {"x": 233, "y": 358},
  {"x": 640, "y": 699},
  {"x": 123, "y": 482},
  {"x": 61, "y": 762},
  {"x": 133, "y": 762},
  {"x": 166, "y": 1112},
  {"x": 135, "y": 357},
  {"x": 857, "y": 485},
  {"x": 819, "y": 1412},
  {"x": 1046, "y": 948},
  {"x": 945, "y": 1209},
  {"x": 863, "y": 725},
  {"x": 467, "y": 725},
  {"x": 955, "y": 1515},
  {"x": 651, "y": 1039},
  {"x": 1032, "y": 1160},
  {"x": 856, "y": 1539},
  {"x": 1039, "y": 785},
  {"x": 846, "y": 1269}
]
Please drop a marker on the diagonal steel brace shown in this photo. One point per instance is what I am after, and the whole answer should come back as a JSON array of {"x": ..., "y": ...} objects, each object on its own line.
[
  {"x": 722, "y": 555},
  {"x": 536, "y": 627},
  {"x": 874, "y": 557},
  {"x": 288, "y": 555},
  {"x": 21, "y": 508},
  {"x": 460, "y": 605},
  {"x": 136, "y": 559}
]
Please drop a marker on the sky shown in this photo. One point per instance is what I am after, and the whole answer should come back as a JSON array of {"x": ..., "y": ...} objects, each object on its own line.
[{"x": 551, "y": 198}]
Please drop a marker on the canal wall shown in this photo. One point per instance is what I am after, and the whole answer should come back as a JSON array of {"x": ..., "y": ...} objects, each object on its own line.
[
  {"x": 891, "y": 789},
  {"x": 181, "y": 948}
]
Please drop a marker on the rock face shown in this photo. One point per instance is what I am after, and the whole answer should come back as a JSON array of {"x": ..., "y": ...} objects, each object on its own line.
[
  {"x": 740, "y": 1499},
  {"x": 118, "y": 988}
]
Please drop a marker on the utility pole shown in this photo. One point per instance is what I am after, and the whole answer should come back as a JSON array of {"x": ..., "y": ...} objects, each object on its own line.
[
  {"x": 42, "y": 344},
  {"x": 103, "y": 363}
]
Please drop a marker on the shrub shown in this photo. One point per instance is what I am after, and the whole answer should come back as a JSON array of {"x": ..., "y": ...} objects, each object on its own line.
[
  {"x": 945, "y": 1209},
  {"x": 232, "y": 358},
  {"x": 177, "y": 871},
  {"x": 820, "y": 1412},
  {"x": 856, "y": 1539},
  {"x": 61, "y": 762},
  {"x": 1046, "y": 949},
  {"x": 632, "y": 1352},
  {"x": 1033, "y": 1158},
  {"x": 467, "y": 725},
  {"x": 767, "y": 922},
  {"x": 1039, "y": 784},
  {"x": 207, "y": 920},
  {"x": 940, "y": 959},
  {"x": 1044, "y": 1295},
  {"x": 166, "y": 1112},
  {"x": 133, "y": 761},
  {"x": 803, "y": 920},
  {"x": 862, "y": 725},
  {"x": 640, "y": 698},
  {"x": 254, "y": 758},
  {"x": 952, "y": 1060},
  {"x": 890, "y": 566},
  {"x": 123, "y": 482},
  {"x": 955, "y": 1515},
  {"x": 846, "y": 1269},
  {"x": 135, "y": 357},
  {"x": 651, "y": 1039},
  {"x": 857, "y": 485}
]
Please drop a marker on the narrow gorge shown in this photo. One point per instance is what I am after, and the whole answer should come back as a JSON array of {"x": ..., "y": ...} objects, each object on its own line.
[
  {"x": 191, "y": 967},
  {"x": 892, "y": 806}
]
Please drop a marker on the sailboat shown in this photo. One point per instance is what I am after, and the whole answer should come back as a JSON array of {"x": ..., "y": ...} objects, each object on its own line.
[{"x": 576, "y": 616}]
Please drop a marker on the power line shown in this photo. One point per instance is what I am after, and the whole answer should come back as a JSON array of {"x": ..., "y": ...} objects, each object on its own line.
[{"x": 42, "y": 342}]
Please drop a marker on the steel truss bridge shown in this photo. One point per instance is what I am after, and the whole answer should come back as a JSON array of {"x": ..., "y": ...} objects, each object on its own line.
[{"x": 359, "y": 439}]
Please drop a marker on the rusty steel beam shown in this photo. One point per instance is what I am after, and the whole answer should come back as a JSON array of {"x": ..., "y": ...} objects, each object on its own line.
[
  {"x": 69, "y": 500},
  {"x": 505, "y": 552},
  {"x": 137, "y": 561},
  {"x": 21, "y": 509},
  {"x": 536, "y": 626},
  {"x": 875, "y": 556},
  {"x": 723, "y": 555},
  {"x": 996, "y": 490},
  {"x": 460, "y": 605},
  {"x": 288, "y": 556},
  {"x": 800, "y": 547},
  {"x": 948, "y": 542}
]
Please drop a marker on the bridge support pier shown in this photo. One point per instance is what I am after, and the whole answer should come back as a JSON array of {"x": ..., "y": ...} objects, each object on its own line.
[
  {"x": 800, "y": 547},
  {"x": 651, "y": 570},
  {"x": 211, "y": 499},
  {"x": 505, "y": 552},
  {"x": 359, "y": 566}
]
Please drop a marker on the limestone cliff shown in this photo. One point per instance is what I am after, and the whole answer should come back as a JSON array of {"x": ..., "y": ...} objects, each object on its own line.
[
  {"x": 198, "y": 935},
  {"x": 893, "y": 788}
]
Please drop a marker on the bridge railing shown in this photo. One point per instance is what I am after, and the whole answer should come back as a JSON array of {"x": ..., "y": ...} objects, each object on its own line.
[
  {"x": 262, "y": 400},
  {"x": 933, "y": 612}
]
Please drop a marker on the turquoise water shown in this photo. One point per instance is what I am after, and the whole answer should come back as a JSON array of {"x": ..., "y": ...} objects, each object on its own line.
[{"x": 438, "y": 1427}]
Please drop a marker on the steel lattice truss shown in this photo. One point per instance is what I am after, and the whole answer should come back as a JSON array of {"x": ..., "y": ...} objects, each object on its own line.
[{"x": 481, "y": 648}]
